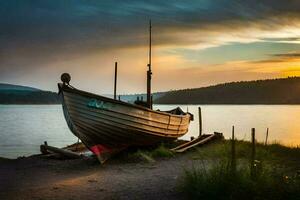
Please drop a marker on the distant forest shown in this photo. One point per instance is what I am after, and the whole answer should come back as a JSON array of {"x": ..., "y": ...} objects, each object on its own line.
[
  {"x": 29, "y": 97},
  {"x": 272, "y": 91}
]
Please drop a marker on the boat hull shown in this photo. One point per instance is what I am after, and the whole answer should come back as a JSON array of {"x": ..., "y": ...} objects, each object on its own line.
[{"x": 106, "y": 125}]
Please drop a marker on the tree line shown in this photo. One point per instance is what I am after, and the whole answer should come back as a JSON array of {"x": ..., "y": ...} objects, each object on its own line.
[
  {"x": 271, "y": 91},
  {"x": 32, "y": 97}
]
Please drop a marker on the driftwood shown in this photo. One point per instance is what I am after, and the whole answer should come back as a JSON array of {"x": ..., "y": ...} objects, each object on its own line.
[
  {"x": 198, "y": 141},
  {"x": 46, "y": 149},
  {"x": 76, "y": 147}
]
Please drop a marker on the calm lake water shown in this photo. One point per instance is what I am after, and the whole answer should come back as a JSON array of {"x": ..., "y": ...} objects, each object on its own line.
[{"x": 24, "y": 127}]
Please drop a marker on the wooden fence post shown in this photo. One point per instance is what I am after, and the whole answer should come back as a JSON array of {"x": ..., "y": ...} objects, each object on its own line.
[
  {"x": 252, "y": 167},
  {"x": 233, "y": 156},
  {"x": 200, "y": 121},
  {"x": 267, "y": 135}
]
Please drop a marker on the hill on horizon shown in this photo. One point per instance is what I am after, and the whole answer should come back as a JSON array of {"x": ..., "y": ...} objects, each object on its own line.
[
  {"x": 11, "y": 87},
  {"x": 270, "y": 91},
  {"x": 17, "y": 94}
]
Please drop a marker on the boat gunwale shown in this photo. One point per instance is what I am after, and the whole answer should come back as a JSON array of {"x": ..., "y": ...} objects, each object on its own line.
[{"x": 103, "y": 112}]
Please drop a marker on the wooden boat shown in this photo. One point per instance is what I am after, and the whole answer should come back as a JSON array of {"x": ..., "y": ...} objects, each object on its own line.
[{"x": 107, "y": 125}]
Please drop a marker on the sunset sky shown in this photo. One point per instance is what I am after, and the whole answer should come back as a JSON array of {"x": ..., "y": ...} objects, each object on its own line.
[{"x": 195, "y": 43}]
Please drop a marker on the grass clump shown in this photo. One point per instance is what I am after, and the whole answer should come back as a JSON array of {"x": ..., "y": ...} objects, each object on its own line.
[
  {"x": 162, "y": 152},
  {"x": 143, "y": 156},
  {"x": 220, "y": 182},
  {"x": 149, "y": 156}
]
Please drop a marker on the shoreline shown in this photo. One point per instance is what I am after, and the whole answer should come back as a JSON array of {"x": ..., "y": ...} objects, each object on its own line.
[
  {"x": 131, "y": 175},
  {"x": 275, "y": 142}
]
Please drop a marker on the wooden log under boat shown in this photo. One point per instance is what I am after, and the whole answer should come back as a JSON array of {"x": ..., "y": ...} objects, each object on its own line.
[
  {"x": 64, "y": 152},
  {"x": 107, "y": 125}
]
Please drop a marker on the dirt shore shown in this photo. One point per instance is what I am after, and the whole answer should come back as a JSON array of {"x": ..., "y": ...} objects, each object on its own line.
[
  {"x": 132, "y": 174},
  {"x": 43, "y": 178}
]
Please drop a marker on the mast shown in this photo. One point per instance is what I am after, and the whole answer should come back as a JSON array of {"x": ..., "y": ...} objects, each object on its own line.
[{"x": 149, "y": 72}]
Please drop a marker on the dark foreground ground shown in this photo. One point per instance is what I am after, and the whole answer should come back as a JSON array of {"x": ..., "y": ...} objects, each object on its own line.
[
  {"x": 43, "y": 178},
  {"x": 160, "y": 174}
]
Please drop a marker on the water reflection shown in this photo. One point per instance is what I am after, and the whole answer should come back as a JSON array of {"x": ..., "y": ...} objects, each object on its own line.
[
  {"x": 283, "y": 121},
  {"x": 24, "y": 127}
]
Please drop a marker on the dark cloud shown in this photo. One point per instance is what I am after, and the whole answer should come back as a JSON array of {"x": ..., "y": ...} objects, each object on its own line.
[
  {"x": 287, "y": 55},
  {"x": 267, "y": 61},
  {"x": 278, "y": 58},
  {"x": 279, "y": 39},
  {"x": 63, "y": 23}
]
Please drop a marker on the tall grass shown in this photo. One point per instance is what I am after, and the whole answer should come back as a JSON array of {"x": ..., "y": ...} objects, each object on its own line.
[
  {"x": 272, "y": 153},
  {"x": 278, "y": 176},
  {"x": 219, "y": 182}
]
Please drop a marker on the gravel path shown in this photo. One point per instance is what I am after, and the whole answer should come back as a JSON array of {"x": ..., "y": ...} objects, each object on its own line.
[{"x": 40, "y": 178}]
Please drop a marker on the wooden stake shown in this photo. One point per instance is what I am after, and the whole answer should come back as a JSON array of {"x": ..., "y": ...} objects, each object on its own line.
[
  {"x": 267, "y": 135},
  {"x": 233, "y": 157},
  {"x": 253, "y": 152},
  {"x": 115, "y": 85},
  {"x": 43, "y": 149},
  {"x": 200, "y": 121},
  {"x": 151, "y": 103}
]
